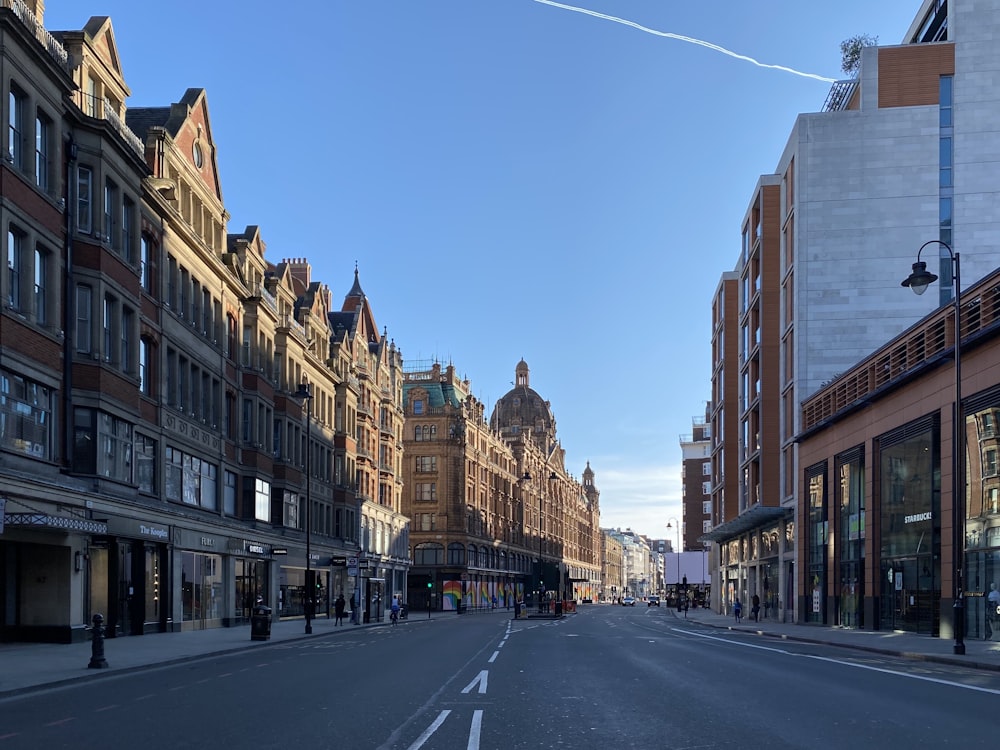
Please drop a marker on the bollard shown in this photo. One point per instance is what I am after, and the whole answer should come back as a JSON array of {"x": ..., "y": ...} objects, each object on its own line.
[{"x": 97, "y": 660}]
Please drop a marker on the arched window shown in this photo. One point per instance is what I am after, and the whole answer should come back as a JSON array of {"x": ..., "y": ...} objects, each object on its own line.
[
  {"x": 456, "y": 553},
  {"x": 428, "y": 553},
  {"x": 473, "y": 556}
]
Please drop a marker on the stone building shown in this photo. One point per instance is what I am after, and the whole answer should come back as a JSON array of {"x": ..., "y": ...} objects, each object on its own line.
[{"x": 185, "y": 426}]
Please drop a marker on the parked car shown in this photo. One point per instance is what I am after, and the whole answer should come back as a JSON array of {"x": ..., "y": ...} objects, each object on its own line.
[
  {"x": 628, "y": 601},
  {"x": 653, "y": 601}
]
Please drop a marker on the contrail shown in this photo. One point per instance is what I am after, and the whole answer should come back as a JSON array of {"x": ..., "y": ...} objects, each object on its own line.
[{"x": 687, "y": 39}]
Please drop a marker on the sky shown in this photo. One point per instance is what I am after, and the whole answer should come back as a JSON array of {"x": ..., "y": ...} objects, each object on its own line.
[{"x": 559, "y": 182}]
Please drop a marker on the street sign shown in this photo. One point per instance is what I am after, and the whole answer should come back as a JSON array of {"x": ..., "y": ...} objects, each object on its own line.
[
  {"x": 353, "y": 561},
  {"x": 352, "y": 570}
]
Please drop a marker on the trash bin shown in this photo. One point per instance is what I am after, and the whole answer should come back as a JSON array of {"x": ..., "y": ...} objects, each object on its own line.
[
  {"x": 558, "y": 608},
  {"x": 260, "y": 623}
]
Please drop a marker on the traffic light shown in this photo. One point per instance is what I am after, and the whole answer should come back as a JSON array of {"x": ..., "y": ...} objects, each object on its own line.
[{"x": 430, "y": 584}]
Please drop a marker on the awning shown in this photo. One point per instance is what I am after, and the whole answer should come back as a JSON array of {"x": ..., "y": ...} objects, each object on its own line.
[{"x": 756, "y": 516}]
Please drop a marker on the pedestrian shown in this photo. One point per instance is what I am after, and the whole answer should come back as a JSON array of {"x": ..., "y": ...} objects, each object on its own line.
[
  {"x": 992, "y": 610},
  {"x": 494, "y": 601},
  {"x": 738, "y": 610},
  {"x": 394, "y": 610},
  {"x": 755, "y": 608},
  {"x": 338, "y": 610}
]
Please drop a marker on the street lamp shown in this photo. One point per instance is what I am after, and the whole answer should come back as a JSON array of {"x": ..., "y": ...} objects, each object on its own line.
[
  {"x": 673, "y": 523},
  {"x": 305, "y": 394},
  {"x": 918, "y": 281}
]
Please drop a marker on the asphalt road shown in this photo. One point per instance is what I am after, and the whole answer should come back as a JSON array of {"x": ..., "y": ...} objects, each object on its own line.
[{"x": 609, "y": 677}]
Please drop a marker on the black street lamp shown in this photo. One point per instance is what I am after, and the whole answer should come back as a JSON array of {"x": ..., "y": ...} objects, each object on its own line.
[
  {"x": 541, "y": 537},
  {"x": 918, "y": 281},
  {"x": 305, "y": 393}
]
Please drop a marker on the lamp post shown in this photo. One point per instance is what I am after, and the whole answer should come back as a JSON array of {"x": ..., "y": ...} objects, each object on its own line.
[
  {"x": 918, "y": 281},
  {"x": 671, "y": 524},
  {"x": 305, "y": 393}
]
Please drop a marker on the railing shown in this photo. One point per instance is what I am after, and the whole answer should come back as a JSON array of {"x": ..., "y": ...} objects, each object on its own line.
[
  {"x": 924, "y": 342},
  {"x": 289, "y": 321},
  {"x": 840, "y": 95},
  {"x": 268, "y": 298},
  {"x": 100, "y": 108},
  {"x": 52, "y": 46}
]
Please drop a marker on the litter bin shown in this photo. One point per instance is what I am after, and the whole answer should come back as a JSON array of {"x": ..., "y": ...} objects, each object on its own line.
[
  {"x": 558, "y": 608},
  {"x": 260, "y": 623}
]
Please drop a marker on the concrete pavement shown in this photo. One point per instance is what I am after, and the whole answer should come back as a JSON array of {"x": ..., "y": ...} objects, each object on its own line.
[{"x": 28, "y": 667}]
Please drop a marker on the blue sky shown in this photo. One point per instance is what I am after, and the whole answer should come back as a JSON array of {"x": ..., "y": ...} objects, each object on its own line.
[{"x": 513, "y": 179}]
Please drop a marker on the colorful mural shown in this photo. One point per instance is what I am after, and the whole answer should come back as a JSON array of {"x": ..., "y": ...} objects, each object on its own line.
[{"x": 452, "y": 591}]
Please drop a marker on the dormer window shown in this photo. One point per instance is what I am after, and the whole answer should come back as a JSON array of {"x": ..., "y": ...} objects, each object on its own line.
[{"x": 197, "y": 155}]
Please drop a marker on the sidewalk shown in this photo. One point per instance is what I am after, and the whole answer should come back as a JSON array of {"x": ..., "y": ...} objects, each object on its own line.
[
  {"x": 979, "y": 654},
  {"x": 27, "y": 667}
]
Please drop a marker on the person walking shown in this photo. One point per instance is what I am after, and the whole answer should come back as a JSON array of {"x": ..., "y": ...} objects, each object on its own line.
[
  {"x": 992, "y": 611},
  {"x": 755, "y": 608},
  {"x": 338, "y": 610},
  {"x": 738, "y": 610}
]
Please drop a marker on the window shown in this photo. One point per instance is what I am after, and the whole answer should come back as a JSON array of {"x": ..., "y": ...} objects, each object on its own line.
[
  {"x": 107, "y": 324},
  {"x": 706, "y": 469},
  {"x": 41, "y": 271},
  {"x": 15, "y": 243},
  {"x": 43, "y": 136},
  {"x": 144, "y": 256},
  {"x": 190, "y": 479},
  {"x": 418, "y": 406},
  {"x": 145, "y": 463},
  {"x": 262, "y": 500},
  {"x": 425, "y": 492},
  {"x": 103, "y": 445},
  {"x": 110, "y": 203},
  {"x": 84, "y": 199},
  {"x": 706, "y": 488},
  {"x": 25, "y": 416},
  {"x": 427, "y": 521},
  {"x": 229, "y": 494},
  {"x": 990, "y": 462},
  {"x": 426, "y": 463},
  {"x": 144, "y": 371},
  {"x": 15, "y": 138},
  {"x": 128, "y": 318},
  {"x": 83, "y": 319},
  {"x": 424, "y": 433},
  {"x": 290, "y": 510},
  {"x": 706, "y": 508},
  {"x": 428, "y": 553},
  {"x": 128, "y": 227}
]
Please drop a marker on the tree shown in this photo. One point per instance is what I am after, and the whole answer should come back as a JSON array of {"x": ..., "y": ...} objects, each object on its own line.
[{"x": 850, "y": 52}]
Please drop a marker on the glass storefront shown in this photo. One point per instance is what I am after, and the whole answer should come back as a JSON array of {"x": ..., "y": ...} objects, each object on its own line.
[
  {"x": 815, "y": 605},
  {"x": 909, "y": 513},
  {"x": 850, "y": 488},
  {"x": 201, "y": 590}
]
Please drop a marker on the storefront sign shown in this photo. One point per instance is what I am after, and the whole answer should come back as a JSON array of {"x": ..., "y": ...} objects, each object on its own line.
[
  {"x": 338, "y": 561},
  {"x": 917, "y": 517}
]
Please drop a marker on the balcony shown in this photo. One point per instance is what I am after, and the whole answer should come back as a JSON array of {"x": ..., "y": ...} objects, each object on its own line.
[
  {"x": 49, "y": 42},
  {"x": 101, "y": 109}
]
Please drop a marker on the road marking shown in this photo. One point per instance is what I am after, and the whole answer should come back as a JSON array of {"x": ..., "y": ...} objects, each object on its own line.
[
  {"x": 883, "y": 670},
  {"x": 474, "y": 730},
  {"x": 430, "y": 730},
  {"x": 482, "y": 678},
  {"x": 494, "y": 657}
]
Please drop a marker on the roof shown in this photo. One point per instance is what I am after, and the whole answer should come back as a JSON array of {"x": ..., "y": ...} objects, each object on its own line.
[{"x": 756, "y": 516}]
